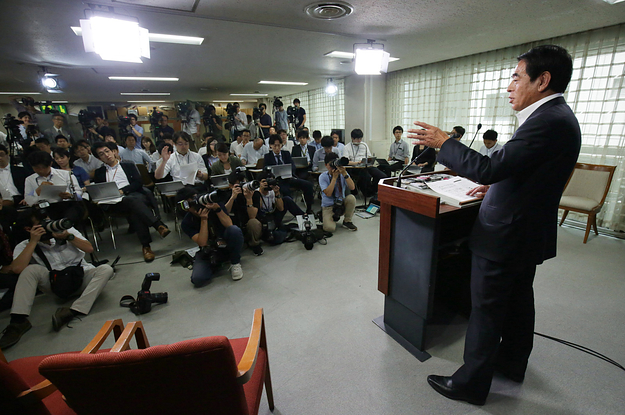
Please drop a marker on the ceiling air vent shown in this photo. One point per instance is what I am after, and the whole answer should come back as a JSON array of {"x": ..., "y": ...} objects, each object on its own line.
[{"x": 329, "y": 11}]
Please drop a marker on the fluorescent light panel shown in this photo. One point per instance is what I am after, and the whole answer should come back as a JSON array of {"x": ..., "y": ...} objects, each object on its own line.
[
  {"x": 146, "y": 93},
  {"x": 105, "y": 36},
  {"x": 161, "y": 37},
  {"x": 60, "y": 102},
  {"x": 20, "y": 93},
  {"x": 350, "y": 55},
  {"x": 371, "y": 61},
  {"x": 282, "y": 83},
  {"x": 142, "y": 78},
  {"x": 230, "y": 100},
  {"x": 151, "y": 102},
  {"x": 248, "y": 95}
]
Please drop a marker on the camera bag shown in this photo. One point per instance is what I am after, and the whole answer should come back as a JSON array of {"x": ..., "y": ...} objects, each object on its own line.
[{"x": 65, "y": 282}]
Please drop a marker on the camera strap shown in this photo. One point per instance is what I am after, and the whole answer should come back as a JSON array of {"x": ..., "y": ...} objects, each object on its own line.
[{"x": 129, "y": 302}]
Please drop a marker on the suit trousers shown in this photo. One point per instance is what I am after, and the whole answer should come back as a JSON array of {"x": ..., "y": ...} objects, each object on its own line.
[
  {"x": 501, "y": 325},
  {"x": 141, "y": 215},
  {"x": 37, "y": 276}
]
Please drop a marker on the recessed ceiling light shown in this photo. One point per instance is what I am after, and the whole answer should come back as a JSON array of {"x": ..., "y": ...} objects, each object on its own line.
[
  {"x": 329, "y": 10},
  {"x": 145, "y": 93},
  {"x": 350, "y": 55},
  {"x": 248, "y": 95},
  {"x": 161, "y": 37},
  {"x": 20, "y": 93},
  {"x": 282, "y": 83},
  {"x": 142, "y": 78},
  {"x": 151, "y": 102}
]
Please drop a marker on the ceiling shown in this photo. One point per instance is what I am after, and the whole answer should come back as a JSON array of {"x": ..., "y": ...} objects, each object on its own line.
[{"x": 247, "y": 41}]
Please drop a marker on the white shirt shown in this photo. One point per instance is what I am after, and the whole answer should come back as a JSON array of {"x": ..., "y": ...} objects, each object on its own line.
[
  {"x": 356, "y": 152},
  {"x": 202, "y": 151},
  {"x": 56, "y": 177},
  {"x": 251, "y": 155},
  {"x": 341, "y": 148},
  {"x": 240, "y": 121},
  {"x": 118, "y": 175},
  {"x": 237, "y": 148},
  {"x": 489, "y": 151},
  {"x": 91, "y": 164},
  {"x": 6, "y": 195},
  {"x": 268, "y": 202},
  {"x": 525, "y": 113},
  {"x": 176, "y": 160},
  {"x": 6, "y": 180},
  {"x": 194, "y": 120},
  {"x": 60, "y": 256}
]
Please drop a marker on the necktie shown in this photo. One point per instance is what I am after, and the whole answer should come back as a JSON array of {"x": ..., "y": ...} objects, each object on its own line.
[{"x": 279, "y": 158}]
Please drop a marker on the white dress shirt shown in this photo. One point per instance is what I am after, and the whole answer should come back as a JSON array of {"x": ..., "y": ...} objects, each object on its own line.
[
  {"x": 356, "y": 152},
  {"x": 525, "y": 113},
  {"x": 176, "y": 160},
  {"x": 118, "y": 175},
  {"x": 251, "y": 155},
  {"x": 56, "y": 177},
  {"x": 489, "y": 151},
  {"x": 6, "y": 180},
  {"x": 60, "y": 256}
]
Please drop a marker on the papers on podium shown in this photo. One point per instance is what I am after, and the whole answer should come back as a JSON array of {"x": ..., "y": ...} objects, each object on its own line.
[{"x": 452, "y": 191}]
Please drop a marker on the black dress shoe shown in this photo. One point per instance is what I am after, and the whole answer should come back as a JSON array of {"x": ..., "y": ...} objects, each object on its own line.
[{"x": 445, "y": 386}]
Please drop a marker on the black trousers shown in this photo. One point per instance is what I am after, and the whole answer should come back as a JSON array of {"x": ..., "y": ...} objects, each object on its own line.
[
  {"x": 501, "y": 326},
  {"x": 304, "y": 185},
  {"x": 141, "y": 216}
]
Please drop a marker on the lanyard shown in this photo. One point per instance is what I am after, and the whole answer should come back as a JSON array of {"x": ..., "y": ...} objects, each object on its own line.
[{"x": 114, "y": 174}]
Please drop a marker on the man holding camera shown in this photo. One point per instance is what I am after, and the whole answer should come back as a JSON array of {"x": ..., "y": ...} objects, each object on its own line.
[
  {"x": 334, "y": 202},
  {"x": 243, "y": 209},
  {"x": 102, "y": 129},
  {"x": 209, "y": 226},
  {"x": 264, "y": 122},
  {"x": 136, "y": 130},
  {"x": 45, "y": 251}
]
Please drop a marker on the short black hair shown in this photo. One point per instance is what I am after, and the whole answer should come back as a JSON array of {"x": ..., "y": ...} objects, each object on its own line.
[
  {"x": 164, "y": 116},
  {"x": 302, "y": 133},
  {"x": 265, "y": 175},
  {"x": 237, "y": 134},
  {"x": 40, "y": 158},
  {"x": 357, "y": 133},
  {"x": 163, "y": 145},
  {"x": 23, "y": 114},
  {"x": 168, "y": 136},
  {"x": 490, "y": 135},
  {"x": 280, "y": 131},
  {"x": 549, "y": 58},
  {"x": 82, "y": 143},
  {"x": 296, "y": 100},
  {"x": 329, "y": 157},
  {"x": 185, "y": 193},
  {"x": 133, "y": 116},
  {"x": 42, "y": 140},
  {"x": 129, "y": 135},
  {"x": 398, "y": 128},
  {"x": 63, "y": 153},
  {"x": 316, "y": 134},
  {"x": 460, "y": 130},
  {"x": 246, "y": 131},
  {"x": 59, "y": 137},
  {"x": 273, "y": 138},
  {"x": 262, "y": 105},
  {"x": 181, "y": 134},
  {"x": 222, "y": 148},
  {"x": 327, "y": 141},
  {"x": 99, "y": 144},
  {"x": 207, "y": 134},
  {"x": 3, "y": 148}
]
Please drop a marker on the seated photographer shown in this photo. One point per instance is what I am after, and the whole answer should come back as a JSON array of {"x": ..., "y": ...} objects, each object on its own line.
[
  {"x": 356, "y": 151},
  {"x": 273, "y": 207},
  {"x": 243, "y": 210},
  {"x": 277, "y": 156},
  {"x": 69, "y": 205},
  {"x": 253, "y": 152},
  {"x": 334, "y": 203},
  {"x": 204, "y": 223},
  {"x": 181, "y": 157},
  {"x": 45, "y": 251},
  {"x": 139, "y": 202},
  {"x": 84, "y": 158},
  {"x": 226, "y": 163},
  {"x": 303, "y": 149},
  {"x": 327, "y": 145},
  {"x": 135, "y": 155}
]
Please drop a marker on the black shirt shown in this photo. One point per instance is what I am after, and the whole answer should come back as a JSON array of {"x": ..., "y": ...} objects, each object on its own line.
[
  {"x": 300, "y": 117},
  {"x": 239, "y": 209},
  {"x": 191, "y": 224}
]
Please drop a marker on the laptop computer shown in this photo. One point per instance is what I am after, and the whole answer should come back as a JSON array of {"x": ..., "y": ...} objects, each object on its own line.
[
  {"x": 103, "y": 192},
  {"x": 321, "y": 165},
  {"x": 169, "y": 188},
  {"x": 369, "y": 212},
  {"x": 300, "y": 162},
  {"x": 282, "y": 170},
  {"x": 220, "y": 181}
]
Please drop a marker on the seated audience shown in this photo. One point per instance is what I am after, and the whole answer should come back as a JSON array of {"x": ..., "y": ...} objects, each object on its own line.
[
  {"x": 206, "y": 137},
  {"x": 356, "y": 151},
  {"x": 12, "y": 177},
  {"x": 84, "y": 158},
  {"x": 254, "y": 151},
  {"x": 57, "y": 129},
  {"x": 337, "y": 142},
  {"x": 226, "y": 163},
  {"x": 327, "y": 146},
  {"x": 427, "y": 158},
  {"x": 243, "y": 209},
  {"x": 277, "y": 156},
  {"x": 211, "y": 152},
  {"x": 242, "y": 140},
  {"x": 62, "y": 159},
  {"x": 135, "y": 155},
  {"x": 287, "y": 145},
  {"x": 303, "y": 149},
  {"x": 43, "y": 144},
  {"x": 172, "y": 163},
  {"x": 209, "y": 225},
  {"x": 46, "y": 251},
  {"x": 399, "y": 151},
  {"x": 334, "y": 202},
  {"x": 272, "y": 131},
  {"x": 490, "y": 143},
  {"x": 137, "y": 201},
  {"x": 62, "y": 142},
  {"x": 457, "y": 133},
  {"x": 149, "y": 147},
  {"x": 316, "y": 135}
]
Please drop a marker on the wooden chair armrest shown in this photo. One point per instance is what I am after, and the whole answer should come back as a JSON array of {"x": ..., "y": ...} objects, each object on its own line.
[
  {"x": 116, "y": 326},
  {"x": 36, "y": 393},
  {"x": 134, "y": 328},
  {"x": 257, "y": 338}
]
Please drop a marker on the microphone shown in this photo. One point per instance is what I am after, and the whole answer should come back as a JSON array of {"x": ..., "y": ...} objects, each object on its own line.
[
  {"x": 479, "y": 126},
  {"x": 410, "y": 164}
]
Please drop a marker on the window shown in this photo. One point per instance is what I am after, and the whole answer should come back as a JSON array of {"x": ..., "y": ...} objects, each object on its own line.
[{"x": 323, "y": 112}]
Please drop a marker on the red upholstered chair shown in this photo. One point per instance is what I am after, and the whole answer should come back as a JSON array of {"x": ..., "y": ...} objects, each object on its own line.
[
  {"x": 210, "y": 375},
  {"x": 24, "y": 391}
]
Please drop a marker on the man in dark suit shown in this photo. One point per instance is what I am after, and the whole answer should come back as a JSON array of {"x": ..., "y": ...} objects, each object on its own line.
[
  {"x": 516, "y": 226},
  {"x": 278, "y": 156},
  {"x": 136, "y": 201},
  {"x": 303, "y": 150},
  {"x": 57, "y": 129}
]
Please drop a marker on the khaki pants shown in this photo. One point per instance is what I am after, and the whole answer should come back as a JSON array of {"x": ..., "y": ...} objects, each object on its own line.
[
  {"x": 350, "y": 206},
  {"x": 37, "y": 276},
  {"x": 253, "y": 232}
]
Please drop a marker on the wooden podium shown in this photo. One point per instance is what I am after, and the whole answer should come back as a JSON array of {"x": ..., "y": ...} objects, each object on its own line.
[{"x": 424, "y": 262}]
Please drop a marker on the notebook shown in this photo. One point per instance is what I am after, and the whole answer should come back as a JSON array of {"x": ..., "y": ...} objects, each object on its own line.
[
  {"x": 283, "y": 170},
  {"x": 369, "y": 212},
  {"x": 220, "y": 181}
]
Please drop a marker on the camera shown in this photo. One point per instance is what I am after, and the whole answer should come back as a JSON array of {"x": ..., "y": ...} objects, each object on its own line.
[
  {"x": 29, "y": 102},
  {"x": 155, "y": 117},
  {"x": 277, "y": 103},
  {"x": 292, "y": 112},
  {"x": 251, "y": 185},
  {"x": 338, "y": 210},
  {"x": 308, "y": 238},
  {"x": 216, "y": 196},
  {"x": 231, "y": 109},
  {"x": 86, "y": 118},
  {"x": 215, "y": 255},
  {"x": 145, "y": 298},
  {"x": 340, "y": 162},
  {"x": 184, "y": 110},
  {"x": 56, "y": 226},
  {"x": 256, "y": 114}
]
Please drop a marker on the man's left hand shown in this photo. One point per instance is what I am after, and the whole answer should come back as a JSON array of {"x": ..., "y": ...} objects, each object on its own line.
[
  {"x": 61, "y": 235},
  {"x": 212, "y": 206},
  {"x": 430, "y": 136}
]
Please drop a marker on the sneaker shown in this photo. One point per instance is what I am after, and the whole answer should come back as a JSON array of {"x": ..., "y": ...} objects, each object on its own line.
[
  {"x": 13, "y": 333},
  {"x": 236, "y": 272},
  {"x": 62, "y": 316},
  {"x": 258, "y": 251},
  {"x": 350, "y": 226}
]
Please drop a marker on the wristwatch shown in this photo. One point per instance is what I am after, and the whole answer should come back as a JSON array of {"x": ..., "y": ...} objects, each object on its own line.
[
  {"x": 71, "y": 237},
  {"x": 250, "y": 206}
]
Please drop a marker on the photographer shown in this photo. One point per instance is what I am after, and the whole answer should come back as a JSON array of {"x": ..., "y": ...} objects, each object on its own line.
[
  {"x": 240, "y": 118},
  {"x": 243, "y": 209},
  {"x": 57, "y": 251},
  {"x": 214, "y": 123},
  {"x": 273, "y": 207},
  {"x": 265, "y": 120},
  {"x": 334, "y": 203},
  {"x": 102, "y": 129},
  {"x": 136, "y": 130},
  {"x": 204, "y": 224},
  {"x": 300, "y": 114}
]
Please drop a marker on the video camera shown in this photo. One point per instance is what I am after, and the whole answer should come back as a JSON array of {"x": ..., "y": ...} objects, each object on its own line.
[
  {"x": 256, "y": 114},
  {"x": 12, "y": 125},
  {"x": 277, "y": 103},
  {"x": 86, "y": 119},
  {"x": 231, "y": 109},
  {"x": 155, "y": 118},
  {"x": 292, "y": 113},
  {"x": 145, "y": 298}
]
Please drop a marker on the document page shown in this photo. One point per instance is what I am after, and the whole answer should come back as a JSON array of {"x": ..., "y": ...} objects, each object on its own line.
[
  {"x": 188, "y": 173},
  {"x": 455, "y": 188},
  {"x": 51, "y": 193}
]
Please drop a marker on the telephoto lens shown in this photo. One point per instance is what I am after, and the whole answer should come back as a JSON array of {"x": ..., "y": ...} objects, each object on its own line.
[
  {"x": 56, "y": 226},
  {"x": 336, "y": 163},
  {"x": 252, "y": 185}
]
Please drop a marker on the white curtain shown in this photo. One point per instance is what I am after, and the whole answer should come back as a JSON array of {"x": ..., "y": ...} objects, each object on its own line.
[
  {"x": 323, "y": 112},
  {"x": 472, "y": 89}
]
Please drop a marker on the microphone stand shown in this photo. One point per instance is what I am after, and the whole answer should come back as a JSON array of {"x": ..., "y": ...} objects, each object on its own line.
[
  {"x": 410, "y": 164},
  {"x": 479, "y": 126}
]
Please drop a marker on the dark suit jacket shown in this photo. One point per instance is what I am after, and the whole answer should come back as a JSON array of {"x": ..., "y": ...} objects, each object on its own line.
[
  {"x": 429, "y": 157},
  {"x": 518, "y": 217},
  {"x": 19, "y": 175},
  {"x": 132, "y": 173},
  {"x": 297, "y": 151},
  {"x": 270, "y": 159}
]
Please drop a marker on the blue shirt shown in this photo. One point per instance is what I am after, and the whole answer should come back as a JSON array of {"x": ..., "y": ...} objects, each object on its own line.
[
  {"x": 81, "y": 175},
  {"x": 324, "y": 181},
  {"x": 137, "y": 137},
  {"x": 281, "y": 120}
]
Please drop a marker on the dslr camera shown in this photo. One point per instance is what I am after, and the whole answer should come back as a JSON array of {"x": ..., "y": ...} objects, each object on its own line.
[
  {"x": 145, "y": 298},
  {"x": 216, "y": 196},
  {"x": 340, "y": 162},
  {"x": 338, "y": 210}
]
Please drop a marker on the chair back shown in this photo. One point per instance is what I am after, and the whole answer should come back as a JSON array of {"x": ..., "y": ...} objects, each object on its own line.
[
  {"x": 11, "y": 385},
  {"x": 260, "y": 163},
  {"x": 145, "y": 175},
  {"x": 190, "y": 377},
  {"x": 591, "y": 181}
]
